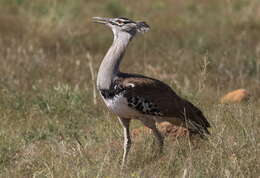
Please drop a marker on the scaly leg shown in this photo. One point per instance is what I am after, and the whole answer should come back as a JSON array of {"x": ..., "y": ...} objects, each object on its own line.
[
  {"x": 150, "y": 123},
  {"x": 127, "y": 139}
]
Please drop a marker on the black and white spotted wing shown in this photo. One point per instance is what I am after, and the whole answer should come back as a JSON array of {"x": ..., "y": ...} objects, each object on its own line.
[{"x": 144, "y": 106}]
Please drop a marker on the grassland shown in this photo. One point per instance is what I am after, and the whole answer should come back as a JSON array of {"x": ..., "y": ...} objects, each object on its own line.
[{"x": 53, "y": 124}]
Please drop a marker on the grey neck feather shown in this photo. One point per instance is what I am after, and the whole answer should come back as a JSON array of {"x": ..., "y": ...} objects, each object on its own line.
[{"x": 109, "y": 67}]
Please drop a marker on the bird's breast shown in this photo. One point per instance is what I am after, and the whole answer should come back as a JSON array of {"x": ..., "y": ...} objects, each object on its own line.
[
  {"x": 118, "y": 104},
  {"x": 128, "y": 106}
]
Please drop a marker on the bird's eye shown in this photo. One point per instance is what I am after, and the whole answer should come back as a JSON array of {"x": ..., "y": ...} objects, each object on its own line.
[{"x": 120, "y": 22}]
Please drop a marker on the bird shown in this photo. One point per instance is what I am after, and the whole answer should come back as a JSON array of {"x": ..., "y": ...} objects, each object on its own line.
[{"x": 135, "y": 96}]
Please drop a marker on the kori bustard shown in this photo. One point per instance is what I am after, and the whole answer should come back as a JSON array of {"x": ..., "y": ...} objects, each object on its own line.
[{"x": 134, "y": 96}]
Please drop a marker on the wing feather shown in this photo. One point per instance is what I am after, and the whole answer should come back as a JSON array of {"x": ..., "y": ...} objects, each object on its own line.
[{"x": 166, "y": 100}]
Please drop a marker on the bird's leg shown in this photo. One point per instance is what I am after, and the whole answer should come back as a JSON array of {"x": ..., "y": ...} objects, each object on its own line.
[
  {"x": 150, "y": 123},
  {"x": 127, "y": 139}
]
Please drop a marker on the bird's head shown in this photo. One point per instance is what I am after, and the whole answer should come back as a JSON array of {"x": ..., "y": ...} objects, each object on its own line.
[{"x": 123, "y": 25}]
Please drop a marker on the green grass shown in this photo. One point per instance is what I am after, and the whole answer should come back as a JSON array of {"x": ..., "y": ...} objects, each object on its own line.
[{"x": 54, "y": 124}]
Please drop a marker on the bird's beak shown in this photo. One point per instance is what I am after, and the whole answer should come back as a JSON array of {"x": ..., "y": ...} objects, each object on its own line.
[{"x": 101, "y": 20}]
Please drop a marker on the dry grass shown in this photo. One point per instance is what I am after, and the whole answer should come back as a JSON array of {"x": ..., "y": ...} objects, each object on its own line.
[{"x": 54, "y": 125}]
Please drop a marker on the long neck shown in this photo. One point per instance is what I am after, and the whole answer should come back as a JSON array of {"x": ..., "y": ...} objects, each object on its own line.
[{"x": 109, "y": 67}]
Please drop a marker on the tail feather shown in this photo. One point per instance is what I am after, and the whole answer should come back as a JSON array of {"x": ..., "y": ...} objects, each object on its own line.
[{"x": 196, "y": 120}]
